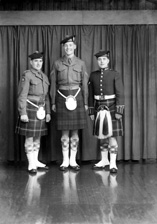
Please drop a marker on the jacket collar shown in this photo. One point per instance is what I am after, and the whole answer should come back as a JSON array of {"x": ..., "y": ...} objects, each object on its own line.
[
  {"x": 38, "y": 74},
  {"x": 65, "y": 60}
]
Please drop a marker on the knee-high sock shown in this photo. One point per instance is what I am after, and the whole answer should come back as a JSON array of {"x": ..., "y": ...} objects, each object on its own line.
[
  {"x": 113, "y": 157},
  {"x": 73, "y": 151},
  {"x": 65, "y": 151},
  {"x": 29, "y": 153},
  {"x": 113, "y": 152},
  {"x": 104, "y": 155},
  {"x": 36, "y": 147}
]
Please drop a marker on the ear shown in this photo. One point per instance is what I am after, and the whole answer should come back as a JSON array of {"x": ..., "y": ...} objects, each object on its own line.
[
  {"x": 31, "y": 62},
  {"x": 75, "y": 46}
]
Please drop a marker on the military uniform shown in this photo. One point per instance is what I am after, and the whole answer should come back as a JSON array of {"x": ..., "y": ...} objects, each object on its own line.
[
  {"x": 107, "y": 82},
  {"x": 67, "y": 78},
  {"x": 69, "y": 83},
  {"x": 34, "y": 86},
  {"x": 106, "y": 102},
  {"x": 34, "y": 110}
]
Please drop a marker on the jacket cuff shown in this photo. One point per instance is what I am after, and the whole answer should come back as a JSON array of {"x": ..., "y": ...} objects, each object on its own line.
[
  {"x": 120, "y": 109},
  {"x": 90, "y": 110},
  {"x": 22, "y": 112}
]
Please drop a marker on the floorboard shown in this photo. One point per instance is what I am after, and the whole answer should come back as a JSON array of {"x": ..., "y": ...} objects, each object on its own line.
[{"x": 84, "y": 197}]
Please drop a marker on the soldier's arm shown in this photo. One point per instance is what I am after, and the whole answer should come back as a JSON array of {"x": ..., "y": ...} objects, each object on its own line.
[
  {"x": 85, "y": 78},
  {"x": 53, "y": 85},
  {"x": 119, "y": 95},
  {"x": 23, "y": 90}
]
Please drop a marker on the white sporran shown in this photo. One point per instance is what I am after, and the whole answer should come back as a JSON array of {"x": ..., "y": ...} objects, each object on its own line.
[
  {"x": 71, "y": 102},
  {"x": 41, "y": 113}
]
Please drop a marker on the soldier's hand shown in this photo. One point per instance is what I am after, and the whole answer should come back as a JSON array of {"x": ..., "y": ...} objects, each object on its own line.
[
  {"x": 86, "y": 107},
  {"x": 48, "y": 117},
  {"x": 92, "y": 117},
  {"x": 118, "y": 116},
  {"x": 54, "y": 108},
  {"x": 24, "y": 118}
]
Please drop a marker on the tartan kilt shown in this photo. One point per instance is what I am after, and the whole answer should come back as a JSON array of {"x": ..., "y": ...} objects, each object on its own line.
[
  {"x": 70, "y": 119},
  {"x": 33, "y": 128},
  {"x": 117, "y": 125}
]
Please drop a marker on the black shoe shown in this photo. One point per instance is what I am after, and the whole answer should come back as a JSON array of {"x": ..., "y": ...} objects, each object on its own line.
[
  {"x": 63, "y": 168},
  {"x": 107, "y": 167},
  {"x": 32, "y": 171},
  {"x": 113, "y": 170},
  {"x": 75, "y": 168},
  {"x": 94, "y": 167},
  {"x": 44, "y": 168}
]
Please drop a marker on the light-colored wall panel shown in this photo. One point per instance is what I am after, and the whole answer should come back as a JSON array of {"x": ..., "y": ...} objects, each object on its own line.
[{"x": 106, "y": 17}]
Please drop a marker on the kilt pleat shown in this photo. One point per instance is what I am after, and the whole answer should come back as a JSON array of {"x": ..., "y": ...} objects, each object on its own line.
[
  {"x": 117, "y": 125},
  {"x": 33, "y": 128},
  {"x": 70, "y": 119}
]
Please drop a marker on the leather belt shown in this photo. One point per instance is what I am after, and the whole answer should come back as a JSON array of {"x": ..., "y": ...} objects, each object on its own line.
[
  {"x": 36, "y": 98},
  {"x": 104, "y": 97},
  {"x": 68, "y": 87}
]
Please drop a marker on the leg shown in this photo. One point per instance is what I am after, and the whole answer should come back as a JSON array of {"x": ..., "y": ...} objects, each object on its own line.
[
  {"x": 104, "y": 155},
  {"x": 30, "y": 156},
  {"x": 113, "y": 154},
  {"x": 74, "y": 140},
  {"x": 65, "y": 150},
  {"x": 36, "y": 147}
]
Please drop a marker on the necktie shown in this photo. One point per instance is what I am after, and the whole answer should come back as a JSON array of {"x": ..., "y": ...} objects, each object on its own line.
[{"x": 69, "y": 61}]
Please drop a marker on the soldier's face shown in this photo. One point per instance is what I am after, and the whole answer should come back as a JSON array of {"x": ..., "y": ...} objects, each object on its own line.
[
  {"x": 69, "y": 48},
  {"x": 37, "y": 63},
  {"x": 103, "y": 62}
]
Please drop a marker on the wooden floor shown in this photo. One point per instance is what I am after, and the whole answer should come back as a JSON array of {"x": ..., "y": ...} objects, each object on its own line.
[{"x": 84, "y": 197}]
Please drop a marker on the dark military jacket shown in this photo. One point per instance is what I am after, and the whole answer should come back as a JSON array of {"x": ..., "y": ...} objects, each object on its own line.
[
  {"x": 33, "y": 83},
  {"x": 108, "y": 82}
]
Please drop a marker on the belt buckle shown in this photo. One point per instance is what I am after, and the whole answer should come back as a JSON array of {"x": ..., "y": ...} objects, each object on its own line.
[{"x": 102, "y": 97}]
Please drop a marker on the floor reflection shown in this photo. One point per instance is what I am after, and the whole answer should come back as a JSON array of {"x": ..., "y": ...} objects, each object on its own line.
[
  {"x": 33, "y": 189},
  {"x": 69, "y": 187},
  {"x": 110, "y": 183},
  {"x": 84, "y": 197}
]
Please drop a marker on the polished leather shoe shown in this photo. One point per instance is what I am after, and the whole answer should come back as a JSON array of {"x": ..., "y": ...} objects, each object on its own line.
[
  {"x": 63, "y": 168},
  {"x": 94, "y": 167},
  {"x": 32, "y": 171},
  {"x": 75, "y": 168},
  {"x": 44, "y": 168},
  {"x": 113, "y": 170}
]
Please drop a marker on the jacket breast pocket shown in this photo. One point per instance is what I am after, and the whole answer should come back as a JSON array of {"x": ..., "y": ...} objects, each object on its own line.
[
  {"x": 35, "y": 86},
  {"x": 77, "y": 73},
  {"x": 62, "y": 73}
]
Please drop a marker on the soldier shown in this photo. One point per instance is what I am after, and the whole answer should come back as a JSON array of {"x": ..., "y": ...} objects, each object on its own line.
[
  {"x": 106, "y": 105},
  {"x": 69, "y": 98},
  {"x": 34, "y": 110}
]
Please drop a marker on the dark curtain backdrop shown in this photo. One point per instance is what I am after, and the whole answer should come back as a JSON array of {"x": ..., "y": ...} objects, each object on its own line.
[{"x": 133, "y": 53}]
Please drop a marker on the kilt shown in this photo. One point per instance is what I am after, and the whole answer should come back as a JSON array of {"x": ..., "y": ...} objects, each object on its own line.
[
  {"x": 70, "y": 119},
  {"x": 117, "y": 125},
  {"x": 33, "y": 128}
]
